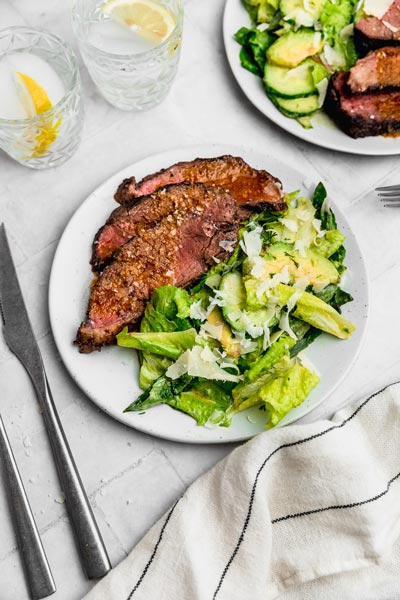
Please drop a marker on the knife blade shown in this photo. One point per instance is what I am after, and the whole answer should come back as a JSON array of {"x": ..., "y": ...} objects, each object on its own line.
[
  {"x": 20, "y": 338},
  {"x": 34, "y": 559}
]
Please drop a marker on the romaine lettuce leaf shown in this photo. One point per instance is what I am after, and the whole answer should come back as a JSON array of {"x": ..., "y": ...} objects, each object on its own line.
[
  {"x": 285, "y": 391},
  {"x": 316, "y": 312},
  {"x": 170, "y": 344}
]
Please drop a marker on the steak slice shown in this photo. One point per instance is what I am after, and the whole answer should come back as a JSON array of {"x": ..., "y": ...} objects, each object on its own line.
[
  {"x": 177, "y": 250},
  {"x": 378, "y": 70},
  {"x": 130, "y": 219},
  {"x": 362, "y": 115},
  {"x": 372, "y": 33},
  {"x": 246, "y": 184}
]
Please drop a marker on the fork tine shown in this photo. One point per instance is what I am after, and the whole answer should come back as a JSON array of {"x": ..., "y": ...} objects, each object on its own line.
[
  {"x": 392, "y": 205},
  {"x": 389, "y": 194},
  {"x": 388, "y": 188}
]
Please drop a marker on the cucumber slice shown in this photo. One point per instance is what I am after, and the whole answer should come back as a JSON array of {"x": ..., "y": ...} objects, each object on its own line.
[
  {"x": 289, "y": 83},
  {"x": 293, "y": 47},
  {"x": 234, "y": 292},
  {"x": 296, "y": 107},
  {"x": 294, "y": 83}
]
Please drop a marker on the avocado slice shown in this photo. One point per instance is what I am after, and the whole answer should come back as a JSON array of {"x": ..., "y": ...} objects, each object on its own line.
[
  {"x": 229, "y": 344},
  {"x": 293, "y": 47}
]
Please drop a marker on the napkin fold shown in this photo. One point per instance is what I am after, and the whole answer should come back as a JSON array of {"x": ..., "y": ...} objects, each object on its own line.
[{"x": 307, "y": 511}]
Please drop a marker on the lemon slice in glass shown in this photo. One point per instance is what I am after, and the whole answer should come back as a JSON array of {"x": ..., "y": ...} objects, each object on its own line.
[
  {"x": 35, "y": 101},
  {"x": 33, "y": 97},
  {"x": 148, "y": 19}
]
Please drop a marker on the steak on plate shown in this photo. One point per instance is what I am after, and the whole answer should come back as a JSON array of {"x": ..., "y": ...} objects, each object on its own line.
[
  {"x": 246, "y": 184},
  {"x": 372, "y": 33},
  {"x": 129, "y": 219},
  {"x": 362, "y": 115},
  {"x": 177, "y": 250},
  {"x": 378, "y": 70}
]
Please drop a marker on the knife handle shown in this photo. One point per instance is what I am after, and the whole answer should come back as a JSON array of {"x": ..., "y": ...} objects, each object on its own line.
[
  {"x": 37, "y": 570},
  {"x": 90, "y": 544}
]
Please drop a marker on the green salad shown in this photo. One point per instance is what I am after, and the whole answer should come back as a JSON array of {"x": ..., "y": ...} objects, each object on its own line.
[
  {"x": 236, "y": 339},
  {"x": 295, "y": 46}
]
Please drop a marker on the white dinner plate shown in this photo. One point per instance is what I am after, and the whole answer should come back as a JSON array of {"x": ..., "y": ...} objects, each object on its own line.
[
  {"x": 325, "y": 133},
  {"x": 110, "y": 377}
]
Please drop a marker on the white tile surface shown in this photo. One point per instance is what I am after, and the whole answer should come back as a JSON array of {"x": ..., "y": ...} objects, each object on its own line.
[{"x": 131, "y": 478}]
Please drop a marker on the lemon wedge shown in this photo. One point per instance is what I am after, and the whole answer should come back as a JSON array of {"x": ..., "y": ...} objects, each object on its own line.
[
  {"x": 148, "y": 19},
  {"x": 35, "y": 101},
  {"x": 33, "y": 97}
]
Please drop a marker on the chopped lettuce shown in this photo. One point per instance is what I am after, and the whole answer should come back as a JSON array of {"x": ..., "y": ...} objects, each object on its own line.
[
  {"x": 254, "y": 46},
  {"x": 317, "y": 313},
  {"x": 170, "y": 344},
  {"x": 285, "y": 391},
  {"x": 205, "y": 401}
]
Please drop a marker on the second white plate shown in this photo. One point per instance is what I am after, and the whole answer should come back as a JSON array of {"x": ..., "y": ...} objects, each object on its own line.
[
  {"x": 325, "y": 133},
  {"x": 110, "y": 377}
]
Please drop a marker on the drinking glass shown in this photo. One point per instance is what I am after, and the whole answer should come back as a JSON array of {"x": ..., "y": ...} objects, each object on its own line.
[
  {"x": 50, "y": 138},
  {"x": 137, "y": 80}
]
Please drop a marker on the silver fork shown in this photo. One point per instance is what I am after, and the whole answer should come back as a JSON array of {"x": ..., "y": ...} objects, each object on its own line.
[{"x": 389, "y": 194}]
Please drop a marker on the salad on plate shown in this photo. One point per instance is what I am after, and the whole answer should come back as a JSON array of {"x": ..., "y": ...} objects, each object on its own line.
[
  {"x": 236, "y": 339},
  {"x": 295, "y": 46}
]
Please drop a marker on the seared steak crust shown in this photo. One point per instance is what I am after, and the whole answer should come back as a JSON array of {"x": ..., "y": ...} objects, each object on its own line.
[
  {"x": 246, "y": 184},
  {"x": 176, "y": 250},
  {"x": 130, "y": 219},
  {"x": 362, "y": 115},
  {"x": 378, "y": 70}
]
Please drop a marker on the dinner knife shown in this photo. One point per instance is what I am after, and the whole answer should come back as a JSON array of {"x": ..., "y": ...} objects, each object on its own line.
[
  {"x": 34, "y": 560},
  {"x": 20, "y": 339}
]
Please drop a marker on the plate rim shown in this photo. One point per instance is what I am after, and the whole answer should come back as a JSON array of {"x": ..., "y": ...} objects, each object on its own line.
[
  {"x": 289, "y": 125},
  {"x": 205, "y": 150}
]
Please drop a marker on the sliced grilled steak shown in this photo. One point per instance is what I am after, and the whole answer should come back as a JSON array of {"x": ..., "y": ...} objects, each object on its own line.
[
  {"x": 373, "y": 33},
  {"x": 362, "y": 115},
  {"x": 247, "y": 185},
  {"x": 378, "y": 70},
  {"x": 177, "y": 250},
  {"x": 128, "y": 220}
]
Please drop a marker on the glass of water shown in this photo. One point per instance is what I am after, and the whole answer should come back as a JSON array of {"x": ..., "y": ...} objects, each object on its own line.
[
  {"x": 40, "y": 98},
  {"x": 131, "y": 72}
]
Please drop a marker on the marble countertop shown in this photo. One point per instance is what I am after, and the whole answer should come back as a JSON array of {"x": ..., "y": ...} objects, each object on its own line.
[{"x": 131, "y": 478}]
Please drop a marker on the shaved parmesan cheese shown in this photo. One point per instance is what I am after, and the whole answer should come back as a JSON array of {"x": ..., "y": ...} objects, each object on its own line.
[
  {"x": 200, "y": 362},
  {"x": 228, "y": 245},
  {"x": 318, "y": 286},
  {"x": 390, "y": 26},
  {"x": 300, "y": 17},
  {"x": 293, "y": 299},
  {"x": 268, "y": 284},
  {"x": 302, "y": 283},
  {"x": 377, "y": 8},
  {"x": 347, "y": 31},
  {"x": 284, "y": 325},
  {"x": 216, "y": 260},
  {"x": 214, "y": 331},
  {"x": 258, "y": 269},
  {"x": 317, "y": 225},
  {"x": 267, "y": 337},
  {"x": 322, "y": 87},
  {"x": 196, "y": 311},
  {"x": 179, "y": 367},
  {"x": 300, "y": 247},
  {"x": 290, "y": 224},
  {"x": 251, "y": 243},
  {"x": 262, "y": 26},
  {"x": 332, "y": 58}
]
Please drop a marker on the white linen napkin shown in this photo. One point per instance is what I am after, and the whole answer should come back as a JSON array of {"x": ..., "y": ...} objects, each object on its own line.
[{"x": 303, "y": 512}]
